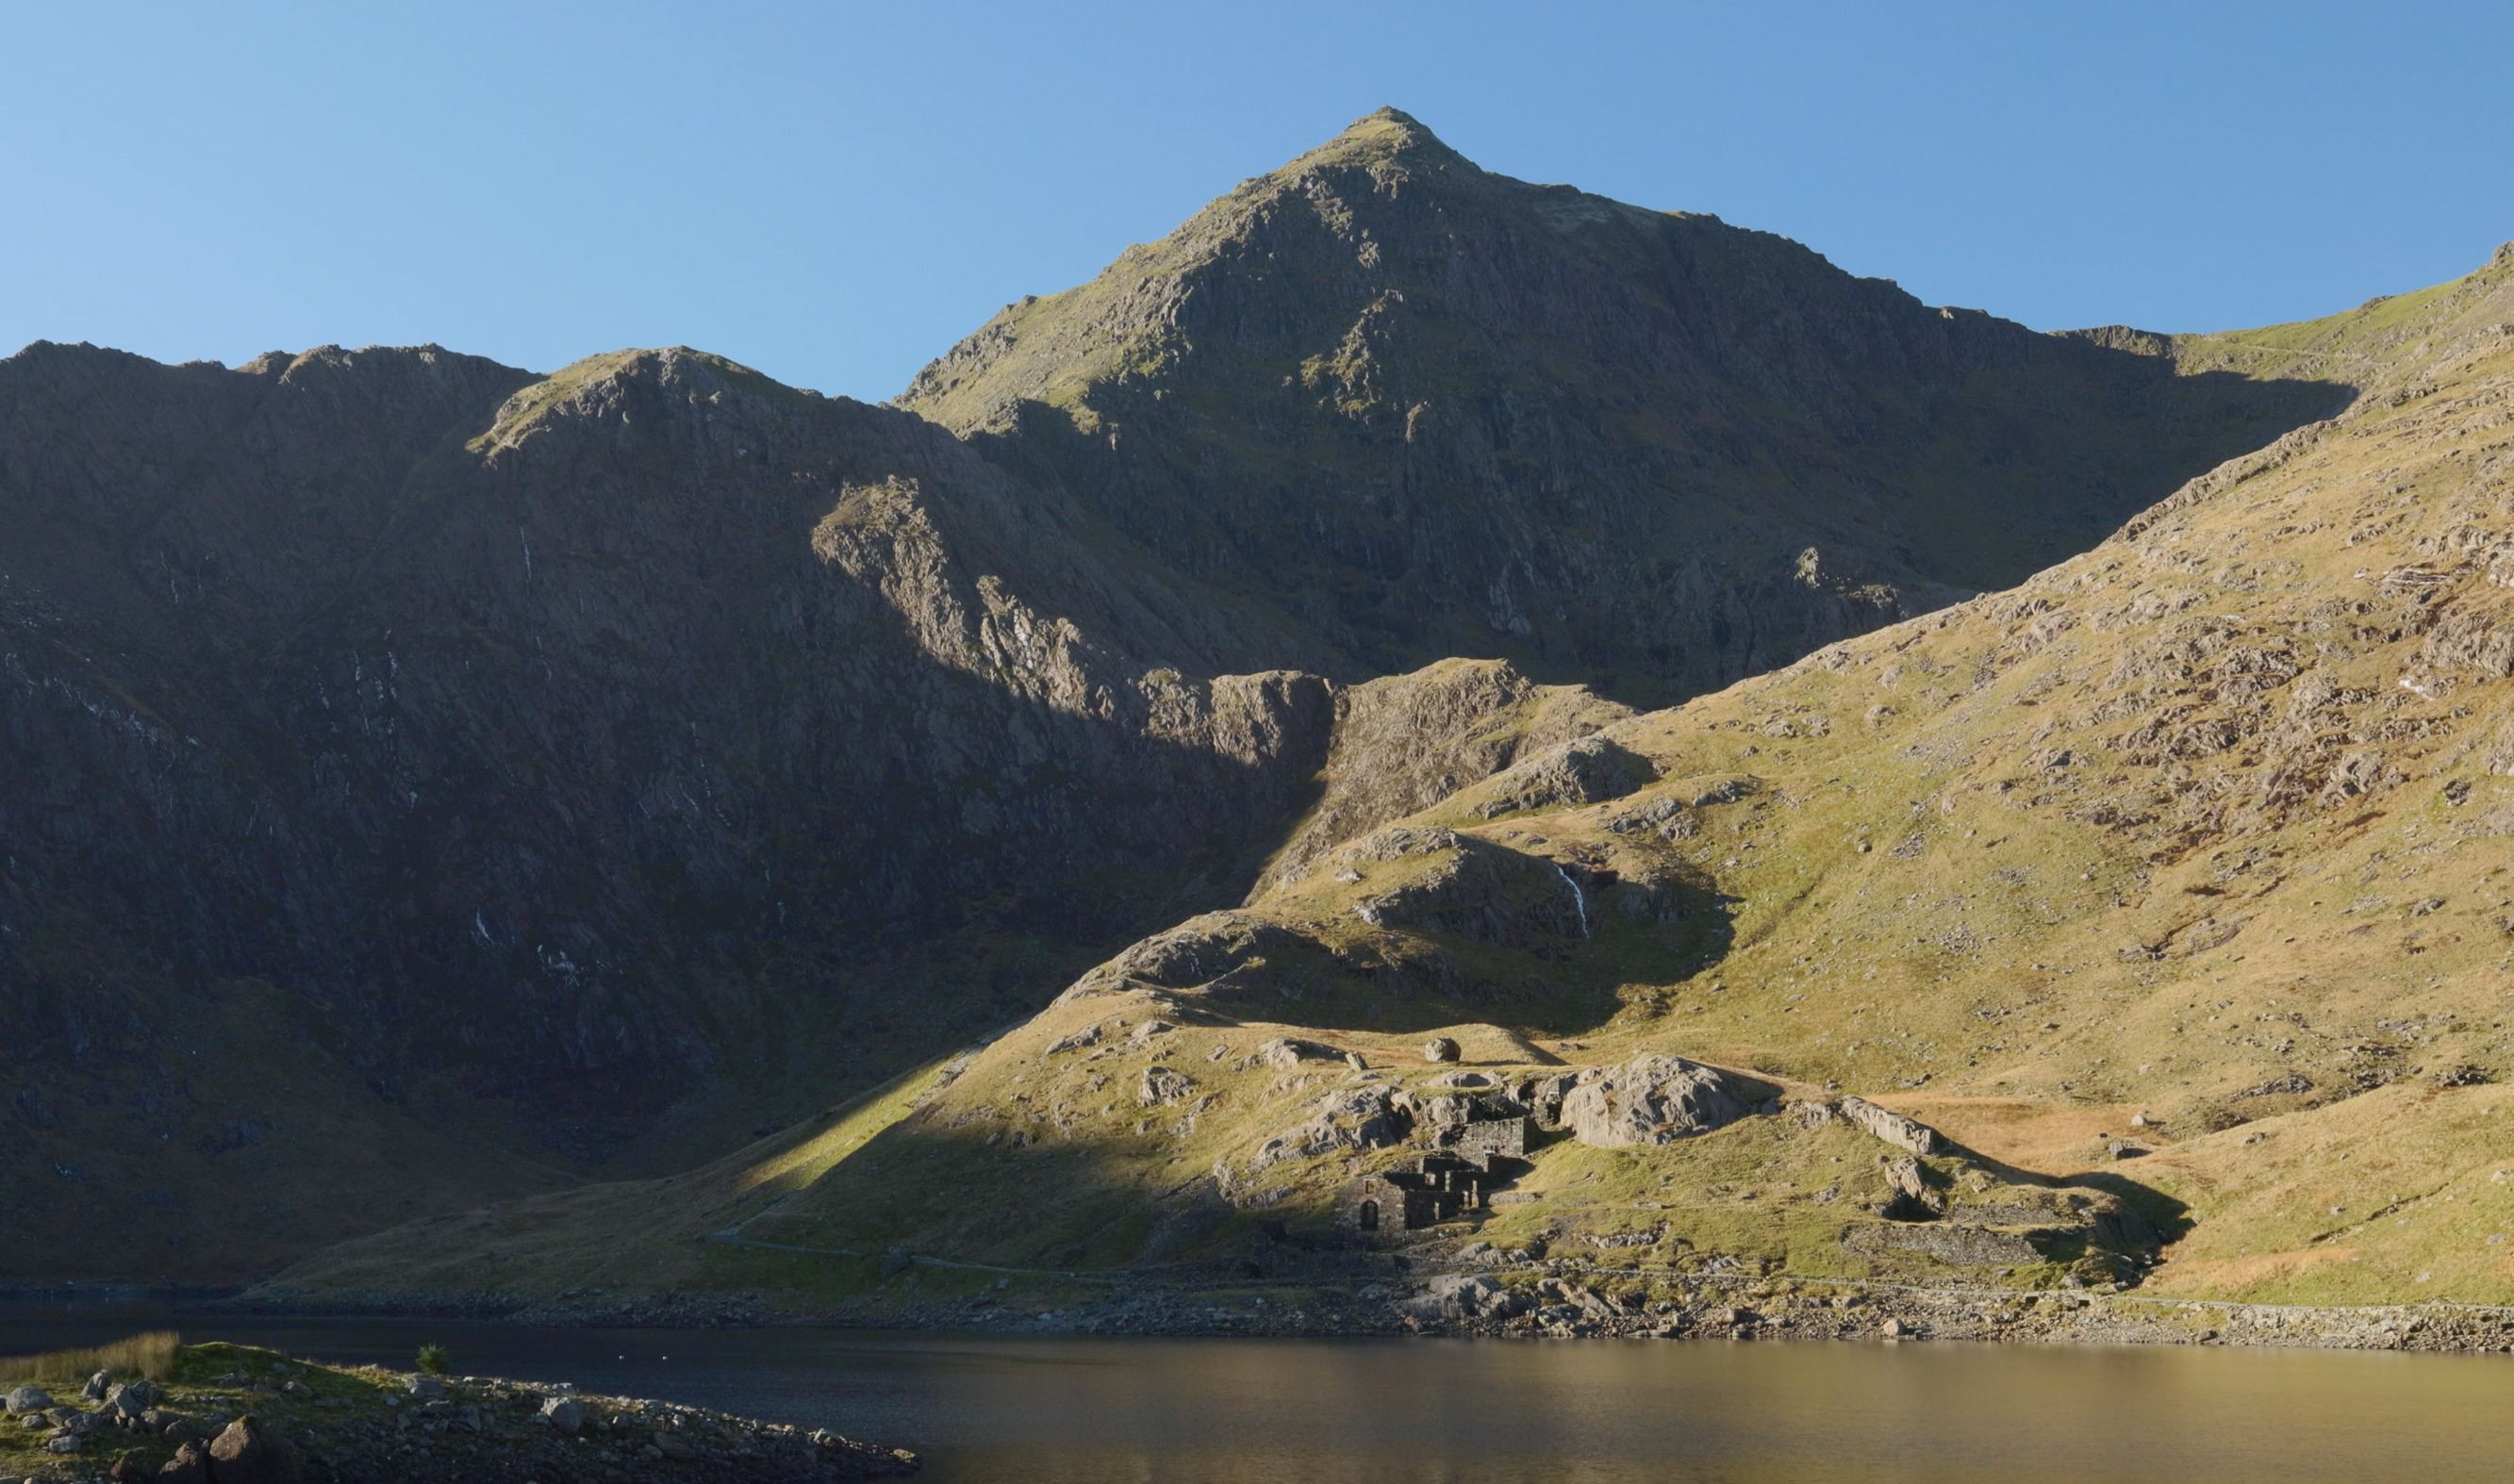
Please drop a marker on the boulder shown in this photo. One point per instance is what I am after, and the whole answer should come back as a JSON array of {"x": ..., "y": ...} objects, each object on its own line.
[
  {"x": 251, "y": 1452},
  {"x": 427, "y": 1388},
  {"x": 674, "y": 1448},
  {"x": 1286, "y": 1055},
  {"x": 1440, "y": 1049},
  {"x": 29, "y": 1399},
  {"x": 1651, "y": 1099},
  {"x": 64, "y": 1441},
  {"x": 189, "y": 1466},
  {"x": 96, "y": 1386},
  {"x": 564, "y": 1413},
  {"x": 1893, "y": 1127},
  {"x": 131, "y": 1398},
  {"x": 131, "y": 1469}
]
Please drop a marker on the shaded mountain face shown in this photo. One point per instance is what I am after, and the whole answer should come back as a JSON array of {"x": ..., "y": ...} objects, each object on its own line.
[
  {"x": 394, "y": 738},
  {"x": 1424, "y": 410}
]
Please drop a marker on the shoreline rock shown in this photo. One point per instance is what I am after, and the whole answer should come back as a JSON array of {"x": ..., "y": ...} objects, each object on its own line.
[{"x": 270, "y": 1420}]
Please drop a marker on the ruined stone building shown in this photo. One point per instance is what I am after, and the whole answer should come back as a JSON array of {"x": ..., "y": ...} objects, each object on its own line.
[{"x": 1440, "y": 1186}]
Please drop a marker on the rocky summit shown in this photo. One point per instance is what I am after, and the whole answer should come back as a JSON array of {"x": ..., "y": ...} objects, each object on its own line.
[
  {"x": 1423, "y": 411},
  {"x": 1421, "y": 719}
]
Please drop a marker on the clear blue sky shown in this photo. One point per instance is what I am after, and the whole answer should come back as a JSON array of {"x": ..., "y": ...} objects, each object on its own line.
[{"x": 835, "y": 192}]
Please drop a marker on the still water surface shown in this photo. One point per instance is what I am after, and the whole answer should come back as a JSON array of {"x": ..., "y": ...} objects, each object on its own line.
[{"x": 1045, "y": 1410}]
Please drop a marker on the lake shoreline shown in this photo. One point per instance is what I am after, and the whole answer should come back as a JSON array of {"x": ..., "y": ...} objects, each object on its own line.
[{"x": 1468, "y": 1303}]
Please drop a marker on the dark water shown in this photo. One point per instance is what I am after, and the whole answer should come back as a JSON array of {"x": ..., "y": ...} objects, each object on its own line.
[{"x": 1057, "y": 1411}]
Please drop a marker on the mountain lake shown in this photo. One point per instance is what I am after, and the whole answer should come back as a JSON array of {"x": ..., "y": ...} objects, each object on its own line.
[{"x": 1045, "y": 1409}]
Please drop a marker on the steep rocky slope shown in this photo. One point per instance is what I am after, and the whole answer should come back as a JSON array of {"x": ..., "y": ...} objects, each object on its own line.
[
  {"x": 2172, "y": 886},
  {"x": 422, "y": 775},
  {"x": 1425, "y": 411}
]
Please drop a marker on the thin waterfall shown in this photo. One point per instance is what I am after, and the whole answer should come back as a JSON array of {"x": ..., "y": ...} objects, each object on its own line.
[{"x": 1579, "y": 899}]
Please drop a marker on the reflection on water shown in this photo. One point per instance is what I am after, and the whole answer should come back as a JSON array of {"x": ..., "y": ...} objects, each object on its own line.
[{"x": 1051, "y": 1411}]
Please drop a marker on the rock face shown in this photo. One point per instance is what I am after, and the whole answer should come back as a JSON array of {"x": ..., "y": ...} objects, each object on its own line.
[
  {"x": 1435, "y": 410},
  {"x": 1651, "y": 1099}
]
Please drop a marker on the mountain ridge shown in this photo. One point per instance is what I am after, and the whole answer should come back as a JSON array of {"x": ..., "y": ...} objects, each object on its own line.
[{"x": 1409, "y": 400}]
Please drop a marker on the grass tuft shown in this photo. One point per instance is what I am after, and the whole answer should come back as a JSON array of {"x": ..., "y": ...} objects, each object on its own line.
[{"x": 151, "y": 1355}]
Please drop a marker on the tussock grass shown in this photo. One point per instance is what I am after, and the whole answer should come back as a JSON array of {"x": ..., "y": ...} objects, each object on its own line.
[{"x": 151, "y": 1355}]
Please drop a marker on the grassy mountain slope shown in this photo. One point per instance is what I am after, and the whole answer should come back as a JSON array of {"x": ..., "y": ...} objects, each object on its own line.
[
  {"x": 1425, "y": 411},
  {"x": 2175, "y": 877}
]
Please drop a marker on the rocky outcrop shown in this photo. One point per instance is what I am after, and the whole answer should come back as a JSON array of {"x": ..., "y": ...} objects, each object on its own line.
[
  {"x": 1348, "y": 1120},
  {"x": 1404, "y": 742},
  {"x": 1651, "y": 1099},
  {"x": 1589, "y": 771},
  {"x": 1471, "y": 888},
  {"x": 1893, "y": 1127}
]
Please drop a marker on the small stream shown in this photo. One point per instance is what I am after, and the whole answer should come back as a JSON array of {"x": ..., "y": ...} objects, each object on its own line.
[{"x": 1044, "y": 1410}]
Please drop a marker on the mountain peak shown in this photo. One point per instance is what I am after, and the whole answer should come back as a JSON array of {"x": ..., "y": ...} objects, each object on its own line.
[{"x": 1385, "y": 135}]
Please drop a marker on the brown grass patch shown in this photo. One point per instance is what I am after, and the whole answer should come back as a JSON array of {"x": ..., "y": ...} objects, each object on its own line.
[
  {"x": 2019, "y": 1131},
  {"x": 151, "y": 1355},
  {"x": 2228, "y": 1274}
]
